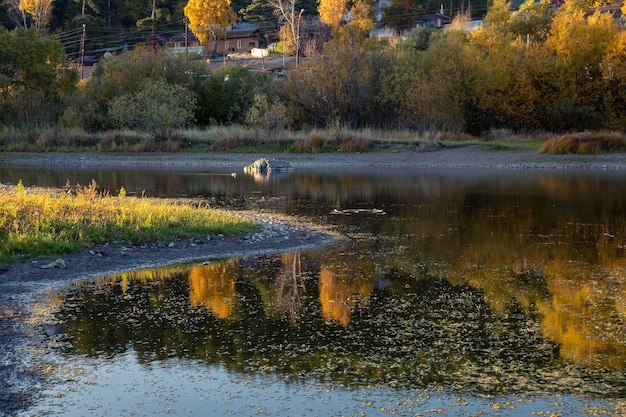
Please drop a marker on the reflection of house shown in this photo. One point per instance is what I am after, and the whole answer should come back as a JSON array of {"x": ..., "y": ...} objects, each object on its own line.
[{"x": 240, "y": 38}]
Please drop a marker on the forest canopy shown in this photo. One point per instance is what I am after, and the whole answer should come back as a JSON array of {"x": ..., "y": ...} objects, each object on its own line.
[{"x": 539, "y": 67}]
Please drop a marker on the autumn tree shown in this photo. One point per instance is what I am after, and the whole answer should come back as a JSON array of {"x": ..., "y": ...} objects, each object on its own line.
[
  {"x": 290, "y": 12},
  {"x": 332, "y": 12},
  {"x": 209, "y": 19},
  {"x": 579, "y": 44},
  {"x": 342, "y": 88},
  {"x": 39, "y": 12},
  {"x": 361, "y": 16},
  {"x": 532, "y": 21},
  {"x": 614, "y": 71}
]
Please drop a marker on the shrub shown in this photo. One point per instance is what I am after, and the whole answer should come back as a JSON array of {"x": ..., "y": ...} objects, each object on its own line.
[
  {"x": 157, "y": 106},
  {"x": 585, "y": 143},
  {"x": 267, "y": 115},
  {"x": 351, "y": 144}
]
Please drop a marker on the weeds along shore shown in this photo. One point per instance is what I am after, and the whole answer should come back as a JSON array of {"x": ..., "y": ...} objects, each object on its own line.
[{"x": 39, "y": 222}]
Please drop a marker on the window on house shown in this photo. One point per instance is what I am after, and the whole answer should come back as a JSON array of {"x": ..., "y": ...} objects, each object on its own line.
[
  {"x": 239, "y": 44},
  {"x": 227, "y": 45},
  {"x": 252, "y": 44},
  {"x": 177, "y": 45}
]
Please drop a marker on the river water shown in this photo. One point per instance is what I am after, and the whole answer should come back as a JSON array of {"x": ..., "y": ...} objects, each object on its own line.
[{"x": 456, "y": 292}]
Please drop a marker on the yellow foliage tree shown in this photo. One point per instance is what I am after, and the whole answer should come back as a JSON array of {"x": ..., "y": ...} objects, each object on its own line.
[
  {"x": 332, "y": 12},
  {"x": 39, "y": 11},
  {"x": 361, "y": 19},
  {"x": 209, "y": 19}
]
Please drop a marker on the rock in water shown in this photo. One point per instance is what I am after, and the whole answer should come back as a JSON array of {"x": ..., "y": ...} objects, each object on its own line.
[{"x": 264, "y": 166}]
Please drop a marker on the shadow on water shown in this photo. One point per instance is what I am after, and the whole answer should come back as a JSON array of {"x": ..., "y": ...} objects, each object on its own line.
[{"x": 479, "y": 285}]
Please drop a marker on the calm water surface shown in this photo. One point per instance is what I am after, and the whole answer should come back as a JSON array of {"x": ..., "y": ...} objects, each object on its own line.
[{"x": 457, "y": 292}]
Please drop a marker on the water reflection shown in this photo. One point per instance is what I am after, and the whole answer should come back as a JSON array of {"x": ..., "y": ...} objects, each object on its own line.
[
  {"x": 213, "y": 287},
  {"x": 302, "y": 317},
  {"x": 490, "y": 281}
]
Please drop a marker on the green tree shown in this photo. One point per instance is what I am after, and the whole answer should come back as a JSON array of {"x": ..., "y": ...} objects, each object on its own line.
[
  {"x": 35, "y": 86},
  {"x": 156, "y": 106},
  {"x": 226, "y": 95},
  {"x": 258, "y": 11},
  {"x": 430, "y": 89},
  {"x": 126, "y": 74},
  {"x": 402, "y": 14},
  {"x": 267, "y": 114}
]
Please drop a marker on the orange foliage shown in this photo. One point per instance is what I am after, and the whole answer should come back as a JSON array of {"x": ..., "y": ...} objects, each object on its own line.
[
  {"x": 339, "y": 296},
  {"x": 213, "y": 287}
]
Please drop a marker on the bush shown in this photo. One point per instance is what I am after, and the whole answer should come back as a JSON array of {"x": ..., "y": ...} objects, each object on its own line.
[
  {"x": 157, "y": 107},
  {"x": 267, "y": 115},
  {"x": 585, "y": 143}
]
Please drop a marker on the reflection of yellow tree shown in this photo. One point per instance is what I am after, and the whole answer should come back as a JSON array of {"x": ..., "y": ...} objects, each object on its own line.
[
  {"x": 213, "y": 287},
  {"x": 141, "y": 276},
  {"x": 585, "y": 314},
  {"x": 341, "y": 292}
]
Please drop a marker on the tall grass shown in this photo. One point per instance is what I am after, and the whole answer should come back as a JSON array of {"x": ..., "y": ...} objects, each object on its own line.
[
  {"x": 240, "y": 138},
  {"x": 585, "y": 143},
  {"x": 51, "y": 221}
]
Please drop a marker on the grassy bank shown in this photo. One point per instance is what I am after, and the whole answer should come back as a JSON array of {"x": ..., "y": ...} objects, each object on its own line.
[
  {"x": 237, "y": 138},
  {"x": 37, "y": 222}
]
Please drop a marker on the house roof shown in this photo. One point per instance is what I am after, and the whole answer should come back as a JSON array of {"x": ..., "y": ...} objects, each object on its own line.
[
  {"x": 242, "y": 33},
  {"x": 239, "y": 31}
]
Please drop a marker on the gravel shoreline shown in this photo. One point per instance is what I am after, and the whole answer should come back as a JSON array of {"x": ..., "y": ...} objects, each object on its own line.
[{"x": 470, "y": 156}]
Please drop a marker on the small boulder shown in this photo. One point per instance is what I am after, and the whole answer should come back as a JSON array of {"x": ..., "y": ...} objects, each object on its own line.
[{"x": 264, "y": 166}]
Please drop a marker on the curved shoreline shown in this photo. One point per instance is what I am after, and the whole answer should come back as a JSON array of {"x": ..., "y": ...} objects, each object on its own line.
[{"x": 24, "y": 282}]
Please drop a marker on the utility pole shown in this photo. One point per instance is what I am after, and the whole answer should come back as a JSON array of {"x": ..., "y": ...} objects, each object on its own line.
[
  {"x": 186, "y": 36},
  {"x": 298, "y": 38},
  {"x": 153, "y": 26},
  {"x": 82, "y": 52}
]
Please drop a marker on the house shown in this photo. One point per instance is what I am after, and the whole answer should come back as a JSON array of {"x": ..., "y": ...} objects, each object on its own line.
[
  {"x": 240, "y": 38},
  {"x": 185, "y": 42},
  {"x": 433, "y": 20},
  {"x": 615, "y": 10}
]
